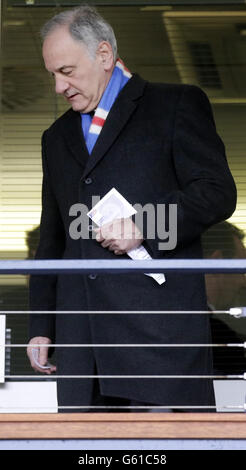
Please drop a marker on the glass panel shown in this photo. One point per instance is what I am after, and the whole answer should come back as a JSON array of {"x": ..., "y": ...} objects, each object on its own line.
[{"x": 178, "y": 43}]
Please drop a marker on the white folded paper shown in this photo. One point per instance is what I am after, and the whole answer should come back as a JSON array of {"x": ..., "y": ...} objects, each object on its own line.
[
  {"x": 114, "y": 206},
  {"x": 35, "y": 355}
]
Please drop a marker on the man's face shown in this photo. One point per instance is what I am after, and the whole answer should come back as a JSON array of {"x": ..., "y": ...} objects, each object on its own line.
[{"x": 80, "y": 78}]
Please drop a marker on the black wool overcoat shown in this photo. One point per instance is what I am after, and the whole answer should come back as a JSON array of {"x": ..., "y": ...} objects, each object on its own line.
[{"x": 159, "y": 145}]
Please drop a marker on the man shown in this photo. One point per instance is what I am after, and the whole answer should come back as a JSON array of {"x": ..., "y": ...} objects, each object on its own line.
[
  {"x": 225, "y": 241},
  {"x": 156, "y": 144}
]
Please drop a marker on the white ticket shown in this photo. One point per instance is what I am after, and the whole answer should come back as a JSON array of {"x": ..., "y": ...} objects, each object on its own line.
[{"x": 114, "y": 206}]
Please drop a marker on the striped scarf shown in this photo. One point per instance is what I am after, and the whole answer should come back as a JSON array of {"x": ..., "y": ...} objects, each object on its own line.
[{"x": 93, "y": 126}]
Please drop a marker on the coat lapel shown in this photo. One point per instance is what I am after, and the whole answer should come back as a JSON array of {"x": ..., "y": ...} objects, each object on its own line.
[
  {"x": 73, "y": 134},
  {"x": 120, "y": 113}
]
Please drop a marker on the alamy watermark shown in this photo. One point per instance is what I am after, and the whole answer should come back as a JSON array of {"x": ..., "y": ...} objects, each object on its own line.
[{"x": 157, "y": 221}]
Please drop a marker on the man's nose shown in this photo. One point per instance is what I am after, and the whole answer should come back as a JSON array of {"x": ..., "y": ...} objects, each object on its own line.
[{"x": 61, "y": 85}]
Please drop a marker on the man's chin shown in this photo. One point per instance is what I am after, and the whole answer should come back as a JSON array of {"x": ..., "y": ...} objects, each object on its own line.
[
  {"x": 76, "y": 105},
  {"x": 80, "y": 106},
  {"x": 80, "y": 109}
]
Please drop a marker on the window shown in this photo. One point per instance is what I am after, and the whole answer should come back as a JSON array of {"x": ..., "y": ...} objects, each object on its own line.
[{"x": 201, "y": 45}]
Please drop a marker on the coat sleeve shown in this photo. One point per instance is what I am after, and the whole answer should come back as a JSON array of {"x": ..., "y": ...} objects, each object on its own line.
[
  {"x": 206, "y": 191},
  {"x": 42, "y": 288}
]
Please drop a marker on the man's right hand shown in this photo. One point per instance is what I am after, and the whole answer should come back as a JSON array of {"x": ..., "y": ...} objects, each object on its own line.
[{"x": 38, "y": 354}]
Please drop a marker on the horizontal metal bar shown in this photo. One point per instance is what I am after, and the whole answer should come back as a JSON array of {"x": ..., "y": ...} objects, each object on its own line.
[
  {"x": 121, "y": 3},
  {"x": 116, "y": 407},
  {"x": 114, "y": 312},
  {"x": 152, "y": 407},
  {"x": 137, "y": 407},
  {"x": 54, "y": 376},
  {"x": 112, "y": 345},
  {"x": 121, "y": 266},
  {"x": 126, "y": 407}
]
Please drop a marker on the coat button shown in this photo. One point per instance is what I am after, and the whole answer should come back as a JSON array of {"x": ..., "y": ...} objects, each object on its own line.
[
  {"x": 92, "y": 276},
  {"x": 88, "y": 181}
]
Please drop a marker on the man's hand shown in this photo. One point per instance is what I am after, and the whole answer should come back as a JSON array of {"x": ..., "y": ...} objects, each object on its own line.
[
  {"x": 119, "y": 236},
  {"x": 39, "y": 354}
]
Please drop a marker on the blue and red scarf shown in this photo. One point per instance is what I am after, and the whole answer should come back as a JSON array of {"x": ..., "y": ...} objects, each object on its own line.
[{"x": 93, "y": 126}]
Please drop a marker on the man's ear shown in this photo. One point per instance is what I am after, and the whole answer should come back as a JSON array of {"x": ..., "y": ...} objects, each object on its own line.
[{"x": 105, "y": 54}]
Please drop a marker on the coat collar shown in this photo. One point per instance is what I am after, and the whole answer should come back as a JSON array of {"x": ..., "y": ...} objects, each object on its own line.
[{"x": 120, "y": 113}]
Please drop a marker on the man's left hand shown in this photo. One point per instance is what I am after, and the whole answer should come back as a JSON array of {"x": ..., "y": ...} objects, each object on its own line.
[{"x": 119, "y": 236}]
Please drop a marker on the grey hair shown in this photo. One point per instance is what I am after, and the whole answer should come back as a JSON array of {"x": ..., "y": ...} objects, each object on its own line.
[{"x": 86, "y": 25}]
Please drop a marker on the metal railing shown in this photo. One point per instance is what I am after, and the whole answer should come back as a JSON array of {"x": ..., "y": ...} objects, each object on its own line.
[{"x": 129, "y": 266}]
